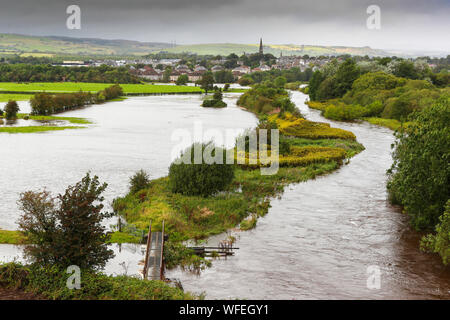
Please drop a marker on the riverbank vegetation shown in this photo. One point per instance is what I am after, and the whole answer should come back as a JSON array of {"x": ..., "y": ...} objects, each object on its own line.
[
  {"x": 68, "y": 230},
  {"x": 50, "y": 282},
  {"x": 350, "y": 91},
  {"x": 419, "y": 177}
]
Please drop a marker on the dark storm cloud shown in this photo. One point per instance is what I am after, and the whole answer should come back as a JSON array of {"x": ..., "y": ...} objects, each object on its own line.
[{"x": 405, "y": 23}]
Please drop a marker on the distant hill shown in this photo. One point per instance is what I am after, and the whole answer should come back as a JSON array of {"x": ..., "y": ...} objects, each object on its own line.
[
  {"x": 53, "y": 45},
  {"x": 41, "y": 46},
  {"x": 276, "y": 50}
]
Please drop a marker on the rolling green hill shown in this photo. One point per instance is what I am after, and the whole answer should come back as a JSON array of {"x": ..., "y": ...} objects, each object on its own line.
[
  {"x": 276, "y": 50},
  {"x": 42, "y": 46},
  {"x": 65, "y": 46}
]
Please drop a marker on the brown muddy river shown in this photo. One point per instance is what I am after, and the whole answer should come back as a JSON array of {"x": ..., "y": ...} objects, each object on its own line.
[{"x": 317, "y": 241}]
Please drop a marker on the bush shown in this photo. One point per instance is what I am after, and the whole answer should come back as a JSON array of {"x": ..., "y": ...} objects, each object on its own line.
[
  {"x": 50, "y": 282},
  {"x": 419, "y": 176},
  {"x": 67, "y": 230},
  {"x": 440, "y": 242},
  {"x": 139, "y": 181},
  {"x": 182, "y": 80},
  {"x": 11, "y": 110},
  {"x": 344, "y": 112},
  {"x": 203, "y": 179}
]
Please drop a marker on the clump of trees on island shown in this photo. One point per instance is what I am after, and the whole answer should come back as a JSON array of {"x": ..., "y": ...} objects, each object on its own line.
[
  {"x": 47, "y": 104},
  {"x": 266, "y": 98},
  {"x": 216, "y": 101}
]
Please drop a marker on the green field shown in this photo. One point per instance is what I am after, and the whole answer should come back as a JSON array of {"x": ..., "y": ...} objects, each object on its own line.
[
  {"x": 16, "y": 97},
  {"x": 58, "y": 87}
]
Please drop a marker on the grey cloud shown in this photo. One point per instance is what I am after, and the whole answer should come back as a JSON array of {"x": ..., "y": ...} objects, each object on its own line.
[{"x": 404, "y": 22}]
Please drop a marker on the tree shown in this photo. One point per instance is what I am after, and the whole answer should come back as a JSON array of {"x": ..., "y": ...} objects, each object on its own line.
[
  {"x": 207, "y": 82},
  {"x": 139, "y": 181},
  {"x": 182, "y": 80},
  {"x": 280, "y": 82},
  {"x": 314, "y": 84},
  {"x": 419, "y": 177},
  {"x": 346, "y": 74},
  {"x": 203, "y": 179},
  {"x": 66, "y": 230},
  {"x": 166, "y": 74},
  {"x": 11, "y": 110}
]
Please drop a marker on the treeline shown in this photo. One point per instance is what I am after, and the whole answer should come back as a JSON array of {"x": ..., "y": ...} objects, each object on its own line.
[
  {"x": 350, "y": 93},
  {"x": 49, "y": 73},
  {"x": 47, "y": 104},
  {"x": 291, "y": 75},
  {"x": 419, "y": 177}
]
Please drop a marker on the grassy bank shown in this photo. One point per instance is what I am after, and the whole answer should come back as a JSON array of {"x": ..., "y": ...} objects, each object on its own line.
[
  {"x": 50, "y": 283},
  {"x": 66, "y": 87},
  {"x": 392, "y": 124},
  {"x": 17, "y": 237}
]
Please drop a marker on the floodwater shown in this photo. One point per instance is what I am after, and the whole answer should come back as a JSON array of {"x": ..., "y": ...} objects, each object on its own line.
[
  {"x": 126, "y": 136},
  {"x": 318, "y": 241}
]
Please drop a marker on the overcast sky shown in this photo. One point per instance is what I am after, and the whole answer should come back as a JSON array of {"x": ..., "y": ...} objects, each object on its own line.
[{"x": 405, "y": 24}]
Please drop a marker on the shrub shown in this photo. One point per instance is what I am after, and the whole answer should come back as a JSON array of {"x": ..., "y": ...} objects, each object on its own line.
[
  {"x": 182, "y": 80},
  {"x": 418, "y": 178},
  {"x": 344, "y": 112},
  {"x": 67, "y": 230},
  {"x": 50, "y": 282},
  {"x": 203, "y": 179},
  {"x": 11, "y": 110},
  {"x": 440, "y": 242},
  {"x": 139, "y": 181}
]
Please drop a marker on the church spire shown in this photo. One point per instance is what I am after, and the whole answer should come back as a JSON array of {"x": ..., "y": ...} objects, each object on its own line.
[{"x": 261, "y": 46}]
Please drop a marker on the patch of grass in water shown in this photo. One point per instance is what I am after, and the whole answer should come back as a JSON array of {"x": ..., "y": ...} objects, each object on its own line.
[{"x": 34, "y": 129}]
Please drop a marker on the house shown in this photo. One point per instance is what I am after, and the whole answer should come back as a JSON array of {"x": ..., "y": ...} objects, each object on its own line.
[
  {"x": 183, "y": 69},
  {"x": 262, "y": 67},
  {"x": 195, "y": 76},
  {"x": 200, "y": 68},
  {"x": 150, "y": 74},
  {"x": 174, "y": 75},
  {"x": 217, "y": 68},
  {"x": 242, "y": 69}
]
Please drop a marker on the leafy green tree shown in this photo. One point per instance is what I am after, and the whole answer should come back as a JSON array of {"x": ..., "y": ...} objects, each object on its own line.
[
  {"x": 419, "y": 177},
  {"x": 166, "y": 74},
  {"x": 316, "y": 79},
  {"x": 346, "y": 74},
  {"x": 405, "y": 69},
  {"x": 440, "y": 241},
  {"x": 182, "y": 80},
  {"x": 66, "y": 230},
  {"x": 207, "y": 82},
  {"x": 11, "y": 110},
  {"x": 204, "y": 179},
  {"x": 139, "y": 181},
  {"x": 280, "y": 81}
]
